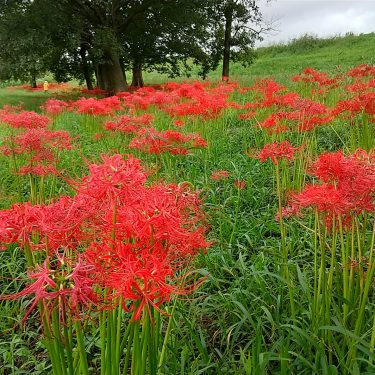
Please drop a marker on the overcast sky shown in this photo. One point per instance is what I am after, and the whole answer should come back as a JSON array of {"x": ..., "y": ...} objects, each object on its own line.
[{"x": 293, "y": 18}]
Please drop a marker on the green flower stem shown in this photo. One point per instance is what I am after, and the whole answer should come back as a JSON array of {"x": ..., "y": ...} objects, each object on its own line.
[
  {"x": 284, "y": 248},
  {"x": 81, "y": 348}
]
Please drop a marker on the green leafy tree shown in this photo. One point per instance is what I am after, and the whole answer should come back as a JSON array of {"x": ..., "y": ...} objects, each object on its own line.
[
  {"x": 237, "y": 25},
  {"x": 25, "y": 47},
  {"x": 171, "y": 34}
]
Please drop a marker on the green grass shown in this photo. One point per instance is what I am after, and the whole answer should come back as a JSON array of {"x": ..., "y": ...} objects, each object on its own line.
[
  {"x": 284, "y": 60},
  {"x": 31, "y": 100}
]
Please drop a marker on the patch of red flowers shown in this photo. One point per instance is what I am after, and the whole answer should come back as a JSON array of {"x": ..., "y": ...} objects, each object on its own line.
[
  {"x": 98, "y": 107},
  {"x": 54, "y": 106},
  {"x": 40, "y": 147},
  {"x": 154, "y": 142},
  {"x": 346, "y": 188},
  {"x": 23, "y": 119},
  {"x": 219, "y": 175},
  {"x": 130, "y": 124},
  {"x": 117, "y": 238},
  {"x": 277, "y": 151}
]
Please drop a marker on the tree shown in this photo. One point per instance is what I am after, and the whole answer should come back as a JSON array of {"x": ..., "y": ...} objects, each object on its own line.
[
  {"x": 237, "y": 24},
  {"x": 109, "y": 23},
  {"x": 25, "y": 50},
  {"x": 171, "y": 34}
]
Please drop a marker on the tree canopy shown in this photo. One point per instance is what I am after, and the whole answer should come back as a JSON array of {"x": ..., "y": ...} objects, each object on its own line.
[{"x": 101, "y": 39}]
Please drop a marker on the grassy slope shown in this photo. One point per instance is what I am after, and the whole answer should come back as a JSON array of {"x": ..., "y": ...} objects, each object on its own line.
[{"x": 281, "y": 61}]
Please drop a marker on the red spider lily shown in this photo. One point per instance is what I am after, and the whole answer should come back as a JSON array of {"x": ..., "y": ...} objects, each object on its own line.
[
  {"x": 62, "y": 282},
  {"x": 59, "y": 224},
  {"x": 240, "y": 184},
  {"x": 220, "y": 175},
  {"x": 306, "y": 115},
  {"x": 276, "y": 151},
  {"x": 362, "y": 70},
  {"x": 347, "y": 188},
  {"x": 247, "y": 115},
  {"x": 145, "y": 97},
  {"x": 362, "y": 103},
  {"x": 313, "y": 76},
  {"x": 151, "y": 141},
  {"x": 44, "y": 288},
  {"x": 267, "y": 88},
  {"x": 130, "y": 124},
  {"x": 94, "y": 92},
  {"x": 360, "y": 87},
  {"x": 288, "y": 212},
  {"x": 205, "y": 105},
  {"x": 98, "y": 136},
  {"x": 112, "y": 178},
  {"x": 41, "y": 146},
  {"x": 54, "y": 106},
  {"x": 24, "y": 119},
  {"x": 179, "y": 123},
  {"x": 101, "y": 107},
  {"x": 152, "y": 243},
  {"x": 116, "y": 235}
]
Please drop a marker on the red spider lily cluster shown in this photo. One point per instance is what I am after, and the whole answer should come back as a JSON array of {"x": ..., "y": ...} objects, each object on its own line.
[
  {"x": 292, "y": 112},
  {"x": 219, "y": 175},
  {"x": 130, "y": 124},
  {"x": 40, "y": 148},
  {"x": 182, "y": 99},
  {"x": 277, "y": 151},
  {"x": 240, "y": 184},
  {"x": 115, "y": 240},
  {"x": 52, "y": 86},
  {"x": 31, "y": 139},
  {"x": 155, "y": 142},
  {"x": 314, "y": 76},
  {"x": 54, "y": 106},
  {"x": 93, "y": 106},
  {"x": 346, "y": 188},
  {"x": 23, "y": 119}
]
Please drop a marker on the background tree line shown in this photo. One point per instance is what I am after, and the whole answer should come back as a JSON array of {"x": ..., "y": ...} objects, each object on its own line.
[{"x": 96, "y": 41}]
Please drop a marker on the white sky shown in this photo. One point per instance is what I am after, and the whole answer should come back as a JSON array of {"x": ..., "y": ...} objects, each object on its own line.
[{"x": 293, "y": 18}]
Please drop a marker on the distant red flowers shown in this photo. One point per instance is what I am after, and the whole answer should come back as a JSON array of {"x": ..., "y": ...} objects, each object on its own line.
[
  {"x": 240, "y": 184},
  {"x": 130, "y": 124},
  {"x": 54, "y": 106},
  {"x": 220, "y": 175},
  {"x": 154, "y": 142}
]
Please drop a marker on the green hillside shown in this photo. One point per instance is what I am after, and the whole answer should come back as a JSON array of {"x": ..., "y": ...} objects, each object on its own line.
[{"x": 284, "y": 60}]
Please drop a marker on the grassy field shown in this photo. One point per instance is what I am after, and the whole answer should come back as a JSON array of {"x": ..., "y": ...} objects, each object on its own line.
[
  {"x": 282, "y": 61},
  {"x": 287, "y": 295}
]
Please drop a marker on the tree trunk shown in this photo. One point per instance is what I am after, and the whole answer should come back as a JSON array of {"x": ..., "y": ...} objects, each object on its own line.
[
  {"x": 86, "y": 68},
  {"x": 111, "y": 77},
  {"x": 99, "y": 77},
  {"x": 33, "y": 82},
  {"x": 137, "y": 80},
  {"x": 227, "y": 43}
]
